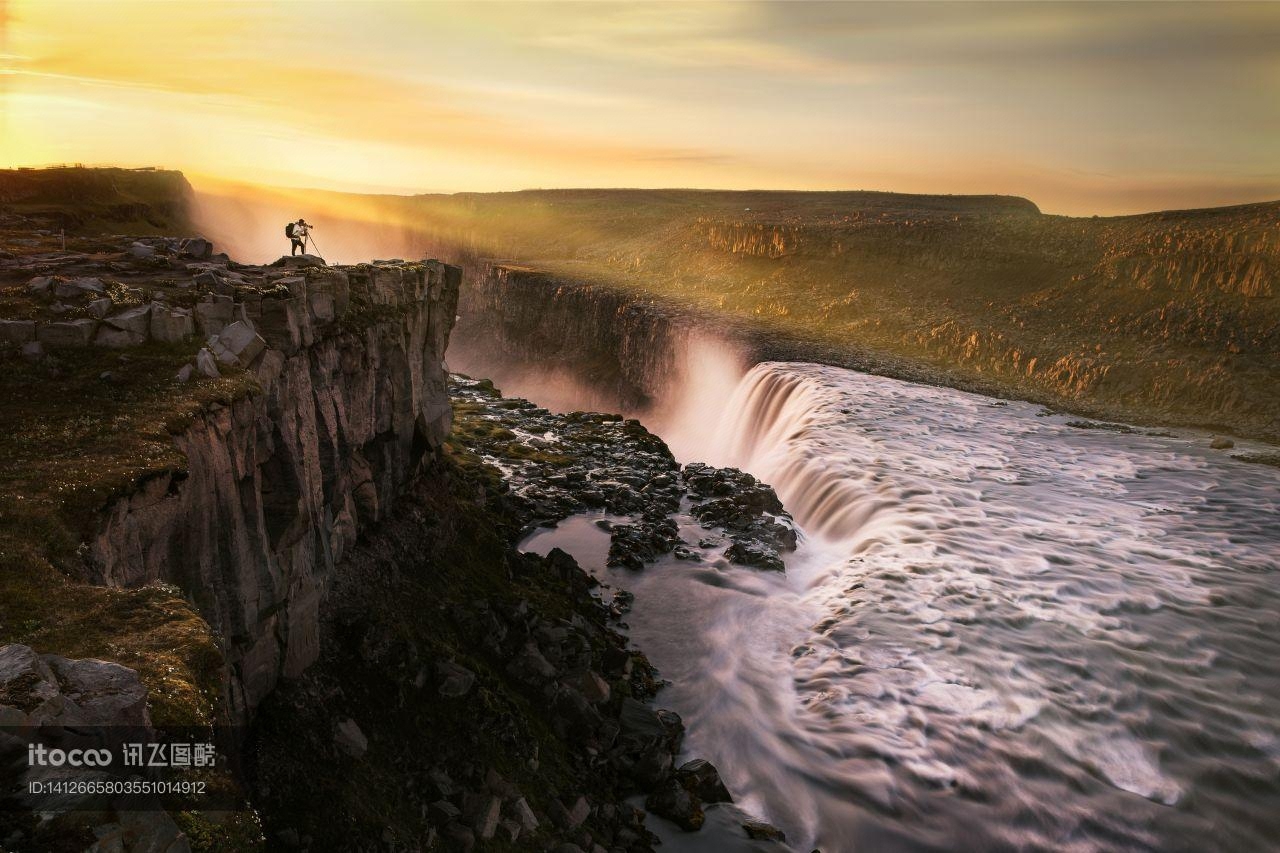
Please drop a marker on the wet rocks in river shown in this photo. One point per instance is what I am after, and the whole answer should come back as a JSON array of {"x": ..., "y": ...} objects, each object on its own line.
[
  {"x": 557, "y": 465},
  {"x": 702, "y": 778},
  {"x": 633, "y": 545},
  {"x": 747, "y": 509},
  {"x": 761, "y": 831}
]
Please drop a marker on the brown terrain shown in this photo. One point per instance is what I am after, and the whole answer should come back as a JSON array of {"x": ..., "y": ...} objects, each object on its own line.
[{"x": 1164, "y": 318}]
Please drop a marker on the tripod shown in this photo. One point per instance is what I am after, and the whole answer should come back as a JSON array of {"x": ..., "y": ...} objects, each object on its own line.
[{"x": 312, "y": 241}]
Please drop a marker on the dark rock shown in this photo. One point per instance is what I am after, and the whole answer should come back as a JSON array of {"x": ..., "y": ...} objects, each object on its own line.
[
  {"x": 455, "y": 681},
  {"x": 509, "y": 831},
  {"x": 702, "y": 778},
  {"x": 571, "y": 816},
  {"x": 462, "y": 837},
  {"x": 761, "y": 831},
  {"x": 442, "y": 812},
  {"x": 652, "y": 768},
  {"x": 350, "y": 739},
  {"x": 594, "y": 688},
  {"x": 524, "y": 815},
  {"x": 195, "y": 247},
  {"x": 756, "y": 555},
  {"x": 481, "y": 813},
  {"x": 677, "y": 804},
  {"x": 640, "y": 723}
]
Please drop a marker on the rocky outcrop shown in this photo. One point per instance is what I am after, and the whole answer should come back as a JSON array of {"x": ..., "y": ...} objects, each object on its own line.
[
  {"x": 50, "y": 690},
  {"x": 280, "y": 482},
  {"x": 558, "y": 465}
]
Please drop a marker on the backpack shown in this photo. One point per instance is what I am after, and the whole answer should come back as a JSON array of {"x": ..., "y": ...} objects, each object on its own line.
[{"x": 288, "y": 229}]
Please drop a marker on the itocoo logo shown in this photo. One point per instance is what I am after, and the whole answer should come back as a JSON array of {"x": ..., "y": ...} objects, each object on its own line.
[{"x": 39, "y": 755}]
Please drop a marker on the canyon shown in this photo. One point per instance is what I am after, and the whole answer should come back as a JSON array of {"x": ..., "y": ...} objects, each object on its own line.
[{"x": 348, "y": 545}]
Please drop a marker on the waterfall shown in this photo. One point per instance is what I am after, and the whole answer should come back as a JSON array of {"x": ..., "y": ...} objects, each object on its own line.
[{"x": 780, "y": 425}]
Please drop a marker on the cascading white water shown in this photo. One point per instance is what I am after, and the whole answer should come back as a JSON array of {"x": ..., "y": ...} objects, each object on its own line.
[
  {"x": 1002, "y": 632},
  {"x": 775, "y": 426}
]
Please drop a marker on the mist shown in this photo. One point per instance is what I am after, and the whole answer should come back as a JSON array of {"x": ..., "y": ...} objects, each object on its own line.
[{"x": 248, "y": 223}]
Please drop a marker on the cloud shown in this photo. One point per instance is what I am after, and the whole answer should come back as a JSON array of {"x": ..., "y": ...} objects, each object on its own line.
[{"x": 942, "y": 97}]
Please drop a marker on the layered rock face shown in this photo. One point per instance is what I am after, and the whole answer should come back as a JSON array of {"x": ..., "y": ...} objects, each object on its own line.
[
  {"x": 629, "y": 352},
  {"x": 279, "y": 483}
]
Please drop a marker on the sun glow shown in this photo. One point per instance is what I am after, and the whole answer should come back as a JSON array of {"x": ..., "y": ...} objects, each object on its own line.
[{"x": 1083, "y": 108}]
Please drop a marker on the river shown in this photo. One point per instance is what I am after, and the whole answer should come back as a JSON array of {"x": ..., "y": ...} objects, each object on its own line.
[{"x": 1000, "y": 631}]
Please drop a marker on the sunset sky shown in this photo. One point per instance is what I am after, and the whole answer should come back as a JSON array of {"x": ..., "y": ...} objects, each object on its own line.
[{"x": 1084, "y": 108}]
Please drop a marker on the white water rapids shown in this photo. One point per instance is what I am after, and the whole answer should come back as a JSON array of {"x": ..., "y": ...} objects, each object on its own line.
[{"x": 1000, "y": 632}]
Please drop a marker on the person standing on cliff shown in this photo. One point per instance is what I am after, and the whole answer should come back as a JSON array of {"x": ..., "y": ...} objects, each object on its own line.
[{"x": 297, "y": 233}]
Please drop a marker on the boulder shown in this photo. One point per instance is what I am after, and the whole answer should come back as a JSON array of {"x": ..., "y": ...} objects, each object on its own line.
[
  {"x": 27, "y": 681},
  {"x": 99, "y": 308},
  {"x": 116, "y": 338},
  {"x": 212, "y": 315},
  {"x": 1221, "y": 443},
  {"x": 207, "y": 364},
  {"x": 17, "y": 331},
  {"x": 677, "y": 804},
  {"x": 702, "y": 778},
  {"x": 349, "y": 739},
  {"x": 455, "y": 681},
  {"x": 104, "y": 692},
  {"x": 171, "y": 325},
  {"x": 237, "y": 343},
  {"x": 300, "y": 261},
  {"x": 755, "y": 554},
  {"x": 66, "y": 333},
  {"x": 460, "y": 837},
  {"x": 142, "y": 250},
  {"x": 126, "y": 329},
  {"x": 195, "y": 247},
  {"x": 523, "y": 815},
  {"x": 570, "y": 816},
  {"x": 509, "y": 831},
  {"x": 41, "y": 285},
  {"x": 136, "y": 320},
  {"x": 594, "y": 688},
  {"x": 483, "y": 815},
  {"x": 443, "y": 812},
  {"x": 640, "y": 723},
  {"x": 53, "y": 690},
  {"x": 761, "y": 831},
  {"x": 530, "y": 667},
  {"x": 206, "y": 279},
  {"x": 186, "y": 372},
  {"x": 78, "y": 287}
]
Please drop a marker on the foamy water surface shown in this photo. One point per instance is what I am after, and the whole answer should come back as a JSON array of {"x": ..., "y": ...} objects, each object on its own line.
[{"x": 1000, "y": 632}]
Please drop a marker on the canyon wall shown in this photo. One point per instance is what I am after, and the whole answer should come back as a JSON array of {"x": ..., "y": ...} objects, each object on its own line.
[
  {"x": 279, "y": 483},
  {"x": 525, "y": 325}
]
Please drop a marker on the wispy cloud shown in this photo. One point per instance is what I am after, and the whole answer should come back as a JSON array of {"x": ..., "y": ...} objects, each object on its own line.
[{"x": 1078, "y": 101}]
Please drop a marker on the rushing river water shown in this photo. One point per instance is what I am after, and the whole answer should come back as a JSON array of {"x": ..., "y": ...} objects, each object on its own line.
[{"x": 1000, "y": 632}]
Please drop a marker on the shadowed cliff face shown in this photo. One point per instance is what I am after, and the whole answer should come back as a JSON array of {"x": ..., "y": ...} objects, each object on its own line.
[
  {"x": 1164, "y": 317},
  {"x": 279, "y": 483}
]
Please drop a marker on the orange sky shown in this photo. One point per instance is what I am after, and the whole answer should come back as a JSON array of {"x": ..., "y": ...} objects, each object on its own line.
[{"x": 1085, "y": 108}]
